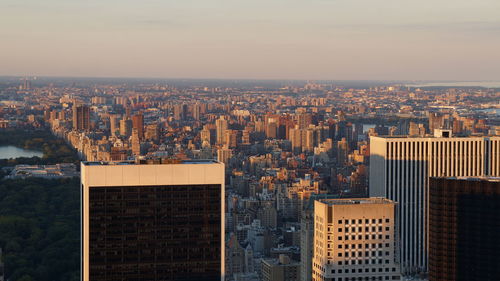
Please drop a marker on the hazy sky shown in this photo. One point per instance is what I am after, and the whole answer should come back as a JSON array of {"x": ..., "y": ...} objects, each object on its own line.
[{"x": 261, "y": 39}]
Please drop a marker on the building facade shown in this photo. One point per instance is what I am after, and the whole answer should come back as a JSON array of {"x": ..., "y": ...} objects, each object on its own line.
[
  {"x": 464, "y": 224},
  {"x": 354, "y": 239},
  {"x": 153, "y": 220},
  {"x": 400, "y": 168}
]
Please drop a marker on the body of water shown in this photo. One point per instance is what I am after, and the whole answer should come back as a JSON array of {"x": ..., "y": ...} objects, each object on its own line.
[
  {"x": 485, "y": 84},
  {"x": 9, "y": 151}
]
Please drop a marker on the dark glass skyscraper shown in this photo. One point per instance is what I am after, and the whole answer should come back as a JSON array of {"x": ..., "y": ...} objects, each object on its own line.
[
  {"x": 153, "y": 221},
  {"x": 464, "y": 229}
]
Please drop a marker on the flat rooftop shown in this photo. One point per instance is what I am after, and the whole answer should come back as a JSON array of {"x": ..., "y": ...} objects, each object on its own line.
[
  {"x": 159, "y": 161},
  {"x": 357, "y": 201},
  {"x": 494, "y": 179}
]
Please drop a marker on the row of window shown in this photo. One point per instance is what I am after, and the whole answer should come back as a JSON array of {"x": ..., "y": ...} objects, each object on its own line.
[
  {"x": 360, "y": 246},
  {"x": 360, "y": 221},
  {"x": 360, "y": 270},
  {"x": 367, "y": 237},
  {"x": 396, "y": 277},
  {"x": 360, "y": 254},
  {"x": 367, "y": 229},
  {"x": 360, "y": 262}
]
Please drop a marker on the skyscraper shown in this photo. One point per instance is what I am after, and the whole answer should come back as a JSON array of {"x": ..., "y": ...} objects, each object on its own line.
[
  {"x": 464, "y": 223},
  {"x": 354, "y": 239},
  {"x": 153, "y": 220},
  {"x": 400, "y": 168},
  {"x": 138, "y": 124},
  {"x": 81, "y": 117},
  {"x": 221, "y": 125}
]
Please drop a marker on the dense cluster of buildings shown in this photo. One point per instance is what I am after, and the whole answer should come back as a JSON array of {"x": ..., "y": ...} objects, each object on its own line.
[{"x": 315, "y": 181}]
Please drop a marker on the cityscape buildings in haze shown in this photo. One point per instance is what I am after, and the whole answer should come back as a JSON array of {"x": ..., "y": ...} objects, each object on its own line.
[
  {"x": 153, "y": 220},
  {"x": 286, "y": 146}
]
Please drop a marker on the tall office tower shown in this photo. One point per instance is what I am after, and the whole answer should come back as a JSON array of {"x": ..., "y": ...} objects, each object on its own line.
[
  {"x": 113, "y": 124},
  {"x": 464, "y": 223},
  {"x": 138, "y": 123},
  {"x": 125, "y": 127},
  {"x": 81, "y": 117},
  {"x": 153, "y": 220},
  {"x": 221, "y": 125},
  {"x": 400, "y": 168},
  {"x": 354, "y": 239}
]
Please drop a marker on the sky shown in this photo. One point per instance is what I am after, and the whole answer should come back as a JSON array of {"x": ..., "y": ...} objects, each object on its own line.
[{"x": 252, "y": 39}]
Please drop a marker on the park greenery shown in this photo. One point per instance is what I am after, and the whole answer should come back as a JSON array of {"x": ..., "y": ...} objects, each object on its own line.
[
  {"x": 54, "y": 149},
  {"x": 39, "y": 218}
]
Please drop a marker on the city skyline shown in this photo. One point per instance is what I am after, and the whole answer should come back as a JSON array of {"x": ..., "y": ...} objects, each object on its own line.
[{"x": 376, "y": 40}]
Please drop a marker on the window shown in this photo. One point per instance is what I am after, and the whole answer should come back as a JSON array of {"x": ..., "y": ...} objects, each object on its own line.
[
  {"x": 333, "y": 271},
  {"x": 387, "y": 244},
  {"x": 360, "y": 221},
  {"x": 340, "y": 221},
  {"x": 340, "y": 229},
  {"x": 386, "y": 253},
  {"x": 340, "y": 237},
  {"x": 340, "y": 254},
  {"x": 387, "y": 236},
  {"x": 367, "y": 229},
  {"x": 347, "y": 237},
  {"x": 379, "y": 220},
  {"x": 340, "y": 270},
  {"x": 340, "y": 246},
  {"x": 360, "y": 237},
  {"x": 367, "y": 221},
  {"x": 340, "y": 263},
  {"x": 360, "y": 246},
  {"x": 373, "y": 228},
  {"x": 374, "y": 221},
  {"x": 347, "y": 271},
  {"x": 380, "y": 270},
  {"x": 387, "y": 228},
  {"x": 387, "y": 262},
  {"x": 380, "y": 236},
  {"x": 346, "y": 246},
  {"x": 379, "y": 228},
  {"x": 346, "y": 254},
  {"x": 386, "y": 220}
]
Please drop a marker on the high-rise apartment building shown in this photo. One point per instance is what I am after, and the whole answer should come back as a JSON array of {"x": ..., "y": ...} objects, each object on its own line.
[
  {"x": 400, "y": 168},
  {"x": 138, "y": 124},
  {"x": 153, "y": 220},
  {"x": 81, "y": 117},
  {"x": 464, "y": 224},
  {"x": 221, "y": 125},
  {"x": 354, "y": 239}
]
